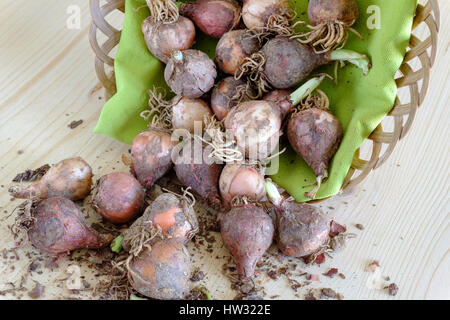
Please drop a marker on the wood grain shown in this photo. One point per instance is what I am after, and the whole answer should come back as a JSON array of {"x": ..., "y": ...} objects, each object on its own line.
[{"x": 46, "y": 77}]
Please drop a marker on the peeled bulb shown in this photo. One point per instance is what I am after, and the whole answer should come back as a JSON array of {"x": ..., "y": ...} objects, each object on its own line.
[
  {"x": 188, "y": 113},
  {"x": 241, "y": 180}
]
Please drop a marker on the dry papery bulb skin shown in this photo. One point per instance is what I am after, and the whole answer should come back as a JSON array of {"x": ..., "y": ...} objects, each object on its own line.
[
  {"x": 227, "y": 94},
  {"x": 233, "y": 48}
]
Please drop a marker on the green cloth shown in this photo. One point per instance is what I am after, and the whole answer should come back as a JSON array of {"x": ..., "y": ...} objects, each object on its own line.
[{"x": 360, "y": 102}]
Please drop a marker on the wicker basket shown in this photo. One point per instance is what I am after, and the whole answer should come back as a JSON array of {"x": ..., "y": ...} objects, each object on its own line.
[{"x": 401, "y": 115}]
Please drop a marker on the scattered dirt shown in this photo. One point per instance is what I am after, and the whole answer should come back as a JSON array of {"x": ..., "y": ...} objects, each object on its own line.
[
  {"x": 371, "y": 267},
  {"x": 75, "y": 124},
  {"x": 322, "y": 293},
  {"x": 393, "y": 289},
  {"x": 328, "y": 292},
  {"x": 197, "y": 276},
  {"x": 199, "y": 293},
  {"x": 359, "y": 226},
  {"x": 111, "y": 283},
  {"x": 37, "y": 291},
  {"x": 331, "y": 273}
]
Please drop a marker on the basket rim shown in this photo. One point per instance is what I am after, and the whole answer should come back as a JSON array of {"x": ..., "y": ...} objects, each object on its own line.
[{"x": 403, "y": 114}]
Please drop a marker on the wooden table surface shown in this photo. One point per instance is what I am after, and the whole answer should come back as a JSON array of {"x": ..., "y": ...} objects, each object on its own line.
[{"x": 46, "y": 78}]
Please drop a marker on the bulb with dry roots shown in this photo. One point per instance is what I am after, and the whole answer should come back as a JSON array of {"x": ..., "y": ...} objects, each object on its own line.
[
  {"x": 284, "y": 62},
  {"x": 256, "y": 13},
  {"x": 213, "y": 17},
  {"x": 256, "y": 127},
  {"x": 174, "y": 215},
  {"x": 247, "y": 232},
  {"x": 221, "y": 146},
  {"x": 165, "y": 31},
  {"x": 162, "y": 271},
  {"x": 163, "y": 38},
  {"x": 168, "y": 216},
  {"x": 195, "y": 169},
  {"x": 330, "y": 22},
  {"x": 187, "y": 112},
  {"x": 151, "y": 156},
  {"x": 227, "y": 94},
  {"x": 315, "y": 134},
  {"x": 190, "y": 73},
  {"x": 302, "y": 229},
  {"x": 233, "y": 48},
  {"x": 241, "y": 180},
  {"x": 70, "y": 178},
  {"x": 177, "y": 113},
  {"x": 118, "y": 197},
  {"x": 57, "y": 225}
]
